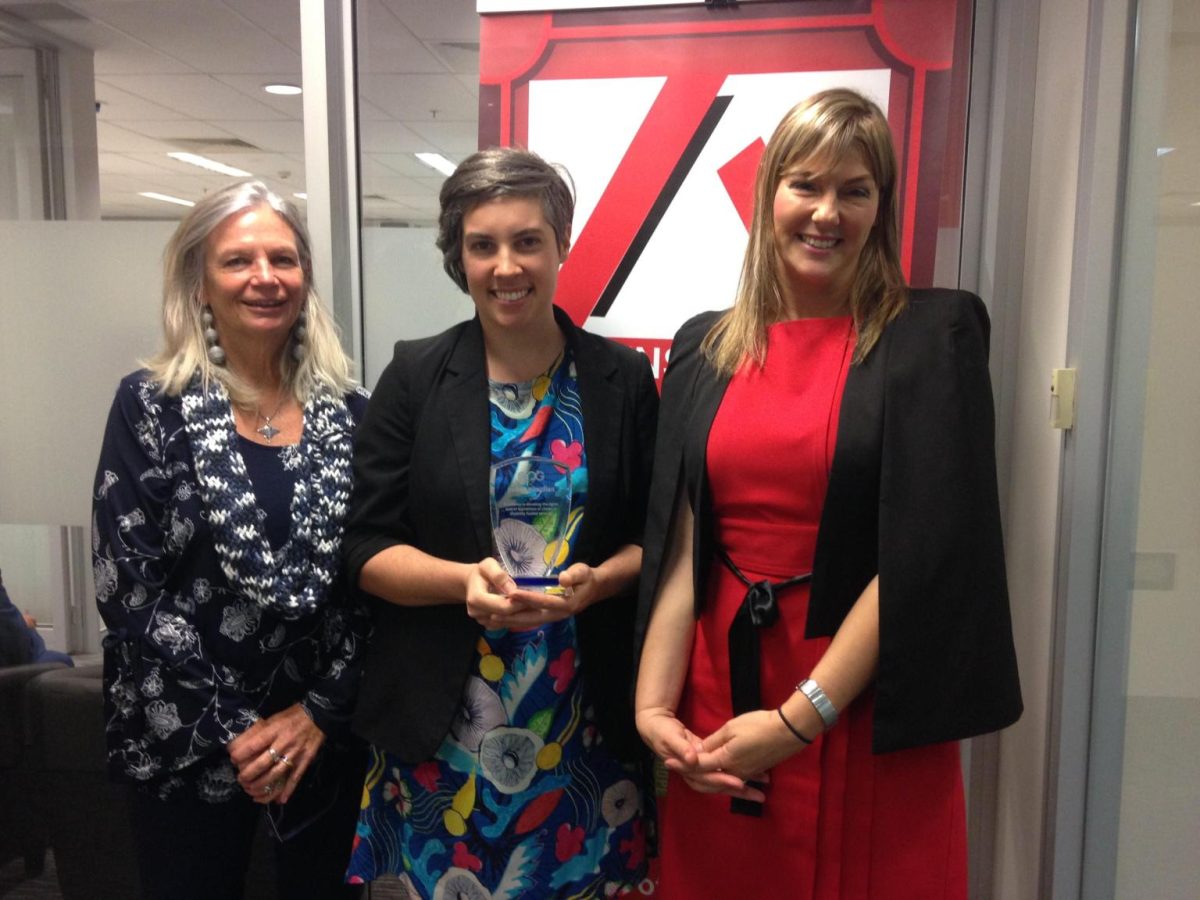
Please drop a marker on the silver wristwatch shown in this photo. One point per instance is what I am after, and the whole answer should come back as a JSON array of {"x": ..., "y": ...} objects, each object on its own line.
[{"x": 824, "y": 707}]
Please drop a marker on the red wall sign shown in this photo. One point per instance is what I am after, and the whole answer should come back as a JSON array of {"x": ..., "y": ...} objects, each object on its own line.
[{"x": 661, "y": 114}]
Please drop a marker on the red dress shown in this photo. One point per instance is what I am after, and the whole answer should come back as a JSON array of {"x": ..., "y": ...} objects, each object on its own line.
[{"x": 839, "y": 821}]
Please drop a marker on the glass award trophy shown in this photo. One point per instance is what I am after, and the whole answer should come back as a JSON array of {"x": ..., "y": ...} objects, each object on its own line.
[{"x": 531, "y": 503}]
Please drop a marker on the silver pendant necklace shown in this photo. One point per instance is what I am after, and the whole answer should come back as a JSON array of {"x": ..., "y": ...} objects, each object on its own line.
[{"x": 268, "y": 430}]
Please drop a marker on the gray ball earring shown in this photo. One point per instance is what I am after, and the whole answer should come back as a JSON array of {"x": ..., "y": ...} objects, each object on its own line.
[
  {"x": 299, "y": 333},
  {"x": 216, "y": 355}
]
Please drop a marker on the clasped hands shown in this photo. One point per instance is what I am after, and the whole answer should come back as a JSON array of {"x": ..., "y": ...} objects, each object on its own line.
[
  {"x": 742, "y": 750},
  {"x": 272, "y": 755},
  {"x": 495, "y": 601}
]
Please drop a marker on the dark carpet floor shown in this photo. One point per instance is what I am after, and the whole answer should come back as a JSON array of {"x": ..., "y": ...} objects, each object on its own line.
[{"x": 15, "y": 886}]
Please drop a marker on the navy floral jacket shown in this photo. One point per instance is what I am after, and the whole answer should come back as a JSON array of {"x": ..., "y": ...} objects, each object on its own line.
[{"x": 189, "y": 663}]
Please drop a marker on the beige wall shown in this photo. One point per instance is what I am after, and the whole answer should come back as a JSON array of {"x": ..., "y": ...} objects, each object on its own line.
[{"x": 1033, "y": 490}]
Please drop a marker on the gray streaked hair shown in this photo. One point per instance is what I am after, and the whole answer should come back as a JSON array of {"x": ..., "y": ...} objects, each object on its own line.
[
  {"x": 494, "y": 173},
  {"x": 324, "y": 365}
]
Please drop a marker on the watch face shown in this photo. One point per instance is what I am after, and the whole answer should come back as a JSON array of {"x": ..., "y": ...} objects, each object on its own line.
[{"x": 824, "y": 707}]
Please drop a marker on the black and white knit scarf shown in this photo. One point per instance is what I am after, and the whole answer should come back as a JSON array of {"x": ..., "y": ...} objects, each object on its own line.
[{"x": 295, "y": 579}]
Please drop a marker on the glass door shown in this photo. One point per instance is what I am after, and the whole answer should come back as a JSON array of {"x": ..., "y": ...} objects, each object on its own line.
[{"x": 1143, "y": 799}]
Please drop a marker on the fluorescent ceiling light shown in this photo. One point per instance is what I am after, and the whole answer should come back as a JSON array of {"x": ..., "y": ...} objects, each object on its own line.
[
  {"x": 165, "y": 198},
  {"x": 301, "y": 196},
  {"x": 437, "y": 161},
  {"x": 287, "y": 90},
  {"x": 211, "y": 164},
  {"x": 1163, "y": 151}
]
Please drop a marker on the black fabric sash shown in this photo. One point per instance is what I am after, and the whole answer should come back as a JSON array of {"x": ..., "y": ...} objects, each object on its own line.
[{"x": 759, "y": 609}]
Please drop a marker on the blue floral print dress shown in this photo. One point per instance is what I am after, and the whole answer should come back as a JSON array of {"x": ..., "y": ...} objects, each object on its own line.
[{"x": 522, "y": 799}]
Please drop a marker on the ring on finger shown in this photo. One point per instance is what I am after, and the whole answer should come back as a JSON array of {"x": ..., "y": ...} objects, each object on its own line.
[
  {"x": 274, "y": 754},
  {"x": 269, "y": 789},
  {"x": 282, "y": 757}
]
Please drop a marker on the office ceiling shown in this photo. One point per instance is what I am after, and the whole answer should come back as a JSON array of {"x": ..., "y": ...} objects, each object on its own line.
[{"x": 188, "y": 75}]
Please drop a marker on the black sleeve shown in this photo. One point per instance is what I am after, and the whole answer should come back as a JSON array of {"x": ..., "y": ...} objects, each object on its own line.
[
  {"x": 675, "y": 410},
  {"x": 642, "y": 464},
  {"x": 379, "y": 505},
  {"x": 947, "y": 666}
]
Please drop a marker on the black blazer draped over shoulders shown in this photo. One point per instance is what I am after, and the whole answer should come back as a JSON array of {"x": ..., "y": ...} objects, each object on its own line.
[
  {"x": 912, "y": 497},
  {"x": 421, "y": 478}
]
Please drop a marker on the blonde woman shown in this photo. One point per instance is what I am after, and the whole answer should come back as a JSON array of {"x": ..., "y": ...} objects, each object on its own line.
[{"x": 824, "y": 597}]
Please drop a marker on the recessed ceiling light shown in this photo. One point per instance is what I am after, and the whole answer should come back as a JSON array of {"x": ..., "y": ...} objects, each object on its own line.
[
  {"x": 1163, "y": 151},
  {"x": 301, "y": 195},
  {"x": 287, "y": 90},
  {"x": 211, "y": 164},
  {"x": 166, "y": 198},
  {"x": 437, "y": 161}
]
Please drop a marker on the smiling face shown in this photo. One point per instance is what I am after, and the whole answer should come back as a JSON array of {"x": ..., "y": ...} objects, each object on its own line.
[
  {"x": 253, "y": 278},
  {"x": 823, "y": 217},
  {"x": 511, "y": 259}
]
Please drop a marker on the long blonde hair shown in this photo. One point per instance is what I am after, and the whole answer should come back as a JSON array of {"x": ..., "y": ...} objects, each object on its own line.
[
  {"x": 827, "y": 127},
  {"x": 323, "y": 364}
]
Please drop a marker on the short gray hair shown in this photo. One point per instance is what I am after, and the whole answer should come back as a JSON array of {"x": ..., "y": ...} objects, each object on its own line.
[
  {"x": 501, "y": 172},
  {"x": 184, "y": 353}
]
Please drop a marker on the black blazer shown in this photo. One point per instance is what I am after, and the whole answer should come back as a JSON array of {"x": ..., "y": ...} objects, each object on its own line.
[
  {"x": 421, "y": 460},
  {"x": 912, "y": 497}
]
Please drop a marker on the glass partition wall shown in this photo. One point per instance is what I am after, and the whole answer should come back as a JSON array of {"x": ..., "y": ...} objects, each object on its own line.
[
  {"x": 1143, "y": 797},
  {"x": 114, "y": 118},
  {"x": 418, "y": 117}
]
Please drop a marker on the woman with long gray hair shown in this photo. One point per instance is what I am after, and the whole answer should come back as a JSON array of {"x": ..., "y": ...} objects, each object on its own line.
[{"x": 231, "y": 657}]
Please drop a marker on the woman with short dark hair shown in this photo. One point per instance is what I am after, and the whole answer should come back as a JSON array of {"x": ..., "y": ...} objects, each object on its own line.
[{"x": 504, "y": 760}]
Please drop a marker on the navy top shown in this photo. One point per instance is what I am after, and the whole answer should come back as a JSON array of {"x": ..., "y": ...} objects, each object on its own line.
[{"x": 274, "y": 483}]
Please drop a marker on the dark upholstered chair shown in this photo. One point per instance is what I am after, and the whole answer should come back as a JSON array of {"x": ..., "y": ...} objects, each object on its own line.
[
  {"x": 22, "y": 833},
  {"x": 85, "y": 815}
]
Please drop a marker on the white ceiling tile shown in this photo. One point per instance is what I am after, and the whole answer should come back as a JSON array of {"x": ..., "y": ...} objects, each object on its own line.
[
  {"x": 251, "y": 86},
  {"x": 208, "y": 35},
  {"x": 447, "y": 20},
  {"x": 455, "y": 138},
  {"x": 138, "y": 60},
  {"x": 279, "y": 17},
  {"x": 372, "y": 165},
  {"x": 199, "y": 96},
  {"x": 173, "y": 131},
  {"x": 414, "y": 96},
  {"x": 278, "y": 137},
  {"x": 369, "y": 112},
  {"x": 470, "y": 82},
  {"x": 261, "y": 165},
  {"x": 115, "y": 52},
  {"x": 117, "y": 105},
  {"x": 398, "y": 164},
  {"x": 114, "y": 138},
  {"x": 458, "y": 56},
  {"x": 389, "y": 137},
  {"x": 123, "y": 164},
  {"x": 391, "y": 186},
  {"x": 385, "y": 45}
]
